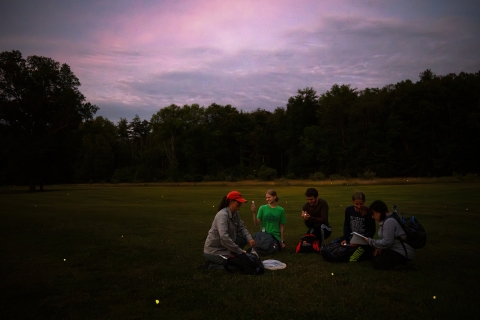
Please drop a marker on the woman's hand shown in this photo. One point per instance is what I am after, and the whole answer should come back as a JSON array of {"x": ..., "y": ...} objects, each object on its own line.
[
  {"x": 367, "y": 240},
  {"x": 283, "y": 245},
  {"x": 377, "y": 252},
  {"x": 253, "y": 207},
  {"x": 251, "y": 243}
]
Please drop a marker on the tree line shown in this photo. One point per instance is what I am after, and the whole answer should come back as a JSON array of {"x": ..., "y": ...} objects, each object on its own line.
[{"x": 49, "y": 134}]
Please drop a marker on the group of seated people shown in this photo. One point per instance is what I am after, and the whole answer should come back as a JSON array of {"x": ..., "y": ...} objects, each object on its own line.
[{"x": 228, "y": 234}]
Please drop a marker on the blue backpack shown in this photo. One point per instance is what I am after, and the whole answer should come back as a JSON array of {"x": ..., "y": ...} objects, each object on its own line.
[
  {"x": 416, "y": 236},
  {"x": 265, "y": 243}
]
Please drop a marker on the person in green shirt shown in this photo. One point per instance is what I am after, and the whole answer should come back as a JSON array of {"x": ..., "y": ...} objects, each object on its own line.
[{"x": 271, "y": 217}]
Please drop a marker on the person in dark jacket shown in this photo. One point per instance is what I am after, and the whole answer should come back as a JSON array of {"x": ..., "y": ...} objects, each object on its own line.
[
  {"x": 357, "y": 219},
  {"x": 315, "y": 214}
]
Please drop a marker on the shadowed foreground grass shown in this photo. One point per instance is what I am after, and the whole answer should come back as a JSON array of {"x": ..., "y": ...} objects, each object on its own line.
[{"x": 109, "y": 252}]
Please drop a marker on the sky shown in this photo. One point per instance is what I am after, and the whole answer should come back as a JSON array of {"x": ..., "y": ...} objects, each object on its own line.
[{"x": 136, "y": 57}]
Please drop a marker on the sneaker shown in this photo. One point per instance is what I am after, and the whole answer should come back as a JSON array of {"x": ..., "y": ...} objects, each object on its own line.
[{"x": 357, "y": 254}]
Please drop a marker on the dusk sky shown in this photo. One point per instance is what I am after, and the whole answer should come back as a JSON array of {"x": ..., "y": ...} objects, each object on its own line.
[{"x": 136, "y": 57}]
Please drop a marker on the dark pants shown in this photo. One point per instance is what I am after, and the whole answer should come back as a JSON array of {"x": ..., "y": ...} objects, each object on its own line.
[
  {"x": 240, "y": 241},
  {"x": 388, "y": 259},
  {"x": 216, "y": 261},
  {"x": 335, "y": 252},
  {"x": 317, "y": 231}
]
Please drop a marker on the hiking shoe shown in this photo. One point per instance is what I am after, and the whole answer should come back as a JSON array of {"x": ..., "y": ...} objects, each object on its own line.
[{"x": 204, "y": 266}]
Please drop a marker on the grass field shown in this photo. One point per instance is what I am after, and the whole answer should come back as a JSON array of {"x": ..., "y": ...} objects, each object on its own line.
[{"x": 112, "y": 251}]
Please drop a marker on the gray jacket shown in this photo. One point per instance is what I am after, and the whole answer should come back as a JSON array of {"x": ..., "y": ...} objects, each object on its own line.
[
  {"x": 222, "y": 234},
  {"x": 388, "y": 230}
]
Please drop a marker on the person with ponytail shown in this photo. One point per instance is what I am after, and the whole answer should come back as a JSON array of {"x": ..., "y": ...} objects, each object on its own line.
[
  {"x": 228, "y": 233},
  {"x": 390, "y": 250}
]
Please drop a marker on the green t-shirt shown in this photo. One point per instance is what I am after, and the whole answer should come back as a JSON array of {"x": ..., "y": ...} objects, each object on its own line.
[{"x": 271, "y": 219}]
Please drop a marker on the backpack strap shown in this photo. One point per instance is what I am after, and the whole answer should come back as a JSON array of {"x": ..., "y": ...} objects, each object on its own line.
[
  {"x": 254, "y": 252},
  {"x": 403, "y": 244},
  {"x": 394, "y": 215},
  {"x": 299, "y": 245},
  {"x": 278, "y": 245}
]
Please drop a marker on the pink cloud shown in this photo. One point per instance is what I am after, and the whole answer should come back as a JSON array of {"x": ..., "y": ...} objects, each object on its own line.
[{"x": 229, "y": 25}]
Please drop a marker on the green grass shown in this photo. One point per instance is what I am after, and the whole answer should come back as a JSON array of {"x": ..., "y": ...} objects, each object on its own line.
[{"x": 109, "y": 252}]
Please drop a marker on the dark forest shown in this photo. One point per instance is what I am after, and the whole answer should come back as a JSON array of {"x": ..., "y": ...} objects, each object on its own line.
[{"x": 49, "y": 133}]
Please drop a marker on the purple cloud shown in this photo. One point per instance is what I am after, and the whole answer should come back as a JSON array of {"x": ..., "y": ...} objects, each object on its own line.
[{"x": 136, "y": 57}]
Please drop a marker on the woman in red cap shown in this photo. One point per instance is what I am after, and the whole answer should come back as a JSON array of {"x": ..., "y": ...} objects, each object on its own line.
[{"x": 228, "y": 233}]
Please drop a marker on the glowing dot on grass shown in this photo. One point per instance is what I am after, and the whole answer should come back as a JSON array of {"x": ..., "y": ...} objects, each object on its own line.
[
  {"x": 122, "y": 235},
  {"x": 332, "y": 273},
  {"x": 213, "y": 206},
  {"x": 157, "y": 301},
  {"x": 434, "y": 297},
  {"x": 467, "y": 209},
  {"x": 64, "y": 259}
]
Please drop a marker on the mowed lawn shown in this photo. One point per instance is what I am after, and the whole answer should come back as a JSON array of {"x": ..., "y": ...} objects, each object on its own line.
[{"x": 131, "y": 252}]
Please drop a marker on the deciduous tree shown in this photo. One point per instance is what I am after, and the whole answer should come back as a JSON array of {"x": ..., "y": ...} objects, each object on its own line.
[{"x": 39, "y": 105}]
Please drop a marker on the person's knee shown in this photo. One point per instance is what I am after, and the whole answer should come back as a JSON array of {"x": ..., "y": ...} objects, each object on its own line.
[
  {"x": 214, "y": 266},
  {"x": 213, "y": 258}
]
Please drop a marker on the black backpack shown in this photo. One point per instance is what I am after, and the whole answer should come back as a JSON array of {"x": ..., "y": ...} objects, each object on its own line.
[
  {"x": 248, "y": 263},
  {"x": 335, "y": 252},
  {"x": 308, "y": 243},
  {"x": 416, "y": 237}
]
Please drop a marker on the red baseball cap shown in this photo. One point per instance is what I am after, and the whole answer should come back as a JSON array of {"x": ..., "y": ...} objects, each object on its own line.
[{"x": 235, "y": 195}]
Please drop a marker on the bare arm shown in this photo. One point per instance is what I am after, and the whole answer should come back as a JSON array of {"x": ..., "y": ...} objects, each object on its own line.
[
  {"x": 281, "y": 235},
  {"x": 256, "y": 221}
]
